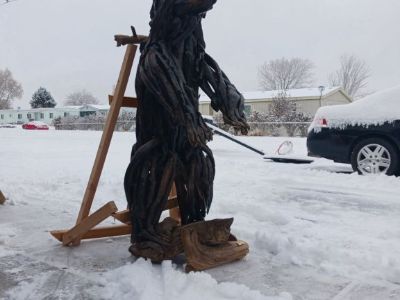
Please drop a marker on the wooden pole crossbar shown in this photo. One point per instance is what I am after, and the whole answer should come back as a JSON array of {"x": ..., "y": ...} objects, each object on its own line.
[
  {"x": 85, "y": 223},
  {"x": 126, "y": 101}
]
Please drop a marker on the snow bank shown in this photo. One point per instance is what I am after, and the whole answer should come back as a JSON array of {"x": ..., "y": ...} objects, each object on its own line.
[
  {"x": 376, "y": 109},
  {"x": 143, "y": 281}
]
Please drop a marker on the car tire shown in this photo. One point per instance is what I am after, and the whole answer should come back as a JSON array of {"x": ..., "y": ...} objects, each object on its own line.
[{"x": 375, "y": 156}]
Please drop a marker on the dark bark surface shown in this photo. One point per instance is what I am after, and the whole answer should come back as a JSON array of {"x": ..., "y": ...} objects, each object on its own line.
[{"x": 171, "y": 135}]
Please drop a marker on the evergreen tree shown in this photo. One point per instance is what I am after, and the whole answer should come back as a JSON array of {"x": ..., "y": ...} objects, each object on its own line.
[{"x": 42, "y": 98}]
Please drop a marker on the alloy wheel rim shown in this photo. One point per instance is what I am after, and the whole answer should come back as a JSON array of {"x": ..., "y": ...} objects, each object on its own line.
[{"x": 373, "y": 159}]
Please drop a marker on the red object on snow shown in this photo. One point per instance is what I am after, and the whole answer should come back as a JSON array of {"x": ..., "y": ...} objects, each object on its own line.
[{"x": 35, "y": 126}]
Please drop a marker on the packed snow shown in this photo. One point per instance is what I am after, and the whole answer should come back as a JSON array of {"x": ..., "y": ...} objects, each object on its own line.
[
  {"x": 375, "y": 109},
  {"x": 315, "y": 231}
]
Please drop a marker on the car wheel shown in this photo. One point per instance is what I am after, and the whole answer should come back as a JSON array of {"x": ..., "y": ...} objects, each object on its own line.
[{"x": 375, "y": 156}]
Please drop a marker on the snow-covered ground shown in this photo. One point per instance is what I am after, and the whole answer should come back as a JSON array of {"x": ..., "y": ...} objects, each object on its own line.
[{"x": 314, "y": 233}]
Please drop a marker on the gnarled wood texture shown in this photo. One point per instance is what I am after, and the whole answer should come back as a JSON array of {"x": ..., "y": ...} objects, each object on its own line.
[
  {"x": 2, "y": 198},
  {"x": 169, "y": 232},
  {"x": 209, "y": 244},
  {"x": 171, "y": 135}
]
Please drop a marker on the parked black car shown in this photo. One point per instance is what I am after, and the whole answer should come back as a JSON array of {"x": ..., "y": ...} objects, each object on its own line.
[{"x": 365, "y": 133}]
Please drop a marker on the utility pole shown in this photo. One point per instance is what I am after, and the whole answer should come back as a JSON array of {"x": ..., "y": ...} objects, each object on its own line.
[{"x": 321, "y": 91}]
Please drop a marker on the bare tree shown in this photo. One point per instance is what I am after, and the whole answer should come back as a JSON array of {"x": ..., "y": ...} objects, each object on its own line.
[
  {"x": 352, "y": 75},
  {"x": 81, "y": 98},
  {"x": 10, "y": 89},
  {"x": 283, "y": 74}
]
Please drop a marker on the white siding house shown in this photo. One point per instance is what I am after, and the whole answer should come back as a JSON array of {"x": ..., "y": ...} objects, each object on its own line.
[
  {"x": 308, "y": 100},
  {"x": 47, "y": 115}
]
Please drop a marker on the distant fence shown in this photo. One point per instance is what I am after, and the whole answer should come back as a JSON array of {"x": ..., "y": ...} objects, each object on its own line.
[
  {"x": 97, "y": 126},
  {"x": 274, "y": 128},
  {"x": 256, "y": 128}
]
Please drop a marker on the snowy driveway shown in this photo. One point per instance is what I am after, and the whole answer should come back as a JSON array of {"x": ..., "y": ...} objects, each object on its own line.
[{"x": 313, "y": 233}]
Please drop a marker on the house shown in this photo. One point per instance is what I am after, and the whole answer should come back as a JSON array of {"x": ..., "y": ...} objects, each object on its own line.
[
  {"x": 308, "y": 100},
  {"x": 47, "y": 115},
  {"x": 93, "y": 109}
]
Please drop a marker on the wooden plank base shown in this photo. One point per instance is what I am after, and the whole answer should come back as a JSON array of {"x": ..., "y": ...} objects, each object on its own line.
[
  {"x": 122, "y": 216},
  {"x": 95, "y": 233},
  {"x": 172, "y": 204},
  {"x": 83, "y": 227}
]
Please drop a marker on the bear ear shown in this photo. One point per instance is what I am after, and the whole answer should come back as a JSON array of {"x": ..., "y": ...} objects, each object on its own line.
[
  {"x": 153, "y": 9},
  {"x": 227, "y": 223}
]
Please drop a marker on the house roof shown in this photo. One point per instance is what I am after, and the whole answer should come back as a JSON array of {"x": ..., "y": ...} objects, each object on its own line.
[
  {"x": 95, "y": 106},
  {"x": 70, "y": 107},
  {"x": 39, "y": 109},
  {"x": 60, "y": 108},
  {"x": 299, "y": 94},
  {"x": 100, "y": 107}
]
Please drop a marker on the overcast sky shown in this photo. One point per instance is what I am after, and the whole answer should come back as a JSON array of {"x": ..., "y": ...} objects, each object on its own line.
[{"x": 67, "y": 45}]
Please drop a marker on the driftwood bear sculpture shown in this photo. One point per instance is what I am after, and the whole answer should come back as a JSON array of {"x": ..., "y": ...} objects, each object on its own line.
[{"x": 171, "y": 135}]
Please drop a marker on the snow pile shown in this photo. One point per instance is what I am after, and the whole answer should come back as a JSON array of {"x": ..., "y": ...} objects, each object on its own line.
[
  {"x": 144, "y": 281},
  {"x": 6, "y": 233},
  {"x": 376, "y": 109}
]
